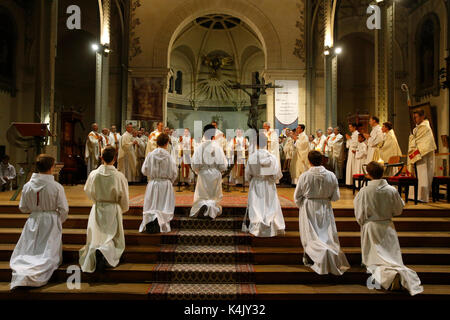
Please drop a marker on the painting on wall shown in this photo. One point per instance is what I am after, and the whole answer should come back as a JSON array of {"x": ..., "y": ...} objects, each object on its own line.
[{"x": 147, "y": 98}]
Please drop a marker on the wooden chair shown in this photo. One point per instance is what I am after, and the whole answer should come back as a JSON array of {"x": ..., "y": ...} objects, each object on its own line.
[
  {"x": 362, "y": 179},
  {"x": 437, "y": 182}
]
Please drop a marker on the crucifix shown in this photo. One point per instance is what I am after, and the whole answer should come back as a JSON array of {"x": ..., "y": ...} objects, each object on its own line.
[{"x": 258, "y": 88}]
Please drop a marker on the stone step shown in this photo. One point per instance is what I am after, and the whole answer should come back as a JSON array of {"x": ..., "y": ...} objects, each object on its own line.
[
  {"x": 79, "y": 221},
  {"x": 151, "y": 254},
  {"x": 139, "y": 291},
  {"x": 230, "y": 273}
]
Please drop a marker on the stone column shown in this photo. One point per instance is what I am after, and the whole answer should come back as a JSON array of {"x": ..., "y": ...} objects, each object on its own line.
[{"x": 384, "y": 63}]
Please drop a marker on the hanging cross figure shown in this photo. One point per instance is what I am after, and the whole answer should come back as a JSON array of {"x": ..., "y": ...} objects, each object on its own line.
[{"x": 258, "y": 88}]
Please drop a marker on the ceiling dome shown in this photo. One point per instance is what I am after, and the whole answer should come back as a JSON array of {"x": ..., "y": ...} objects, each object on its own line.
[{"x": 218, "y": 21}]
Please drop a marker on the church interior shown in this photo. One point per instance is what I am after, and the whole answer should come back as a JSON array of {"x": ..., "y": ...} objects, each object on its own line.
[{"x": 183, "y": 64}]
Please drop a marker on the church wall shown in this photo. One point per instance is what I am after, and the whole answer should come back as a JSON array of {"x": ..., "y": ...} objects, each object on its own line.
[{"x": 440, "y": 101}]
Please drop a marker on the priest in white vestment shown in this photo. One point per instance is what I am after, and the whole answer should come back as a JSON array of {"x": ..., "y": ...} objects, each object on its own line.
[
  {"x": 159, "y": 201},
  {"x": 315, "y": 191},
  {"x": 108, "y": 189},
  {"x": 209, "y": 162},
  {"x": 338, "y": 155},
  {"x": 151, "y": 143},
  {"x": 114, "y": 137},
  {"x": 352, "y": 145},
  {"x": 272, "y": 143},
  {"x": 38, "y": 253},
  {"x": 93, "y": 147},
  {"x": 319, "y": 142},
  {"x": 186, "y": 147},
  {"x": 421, "y": 150},
  {"x": 374, "y": 139},
  {"x": 106, "y": 142},
  {"x": 299, "y": 163},
  {"x": 127, "y": 161},
  {"x": 390, "y": 148},
  {"x": 375, "y": 206},
  {"x": 264, "y": 209},
  {"x": 288, "y": 150},
  {"x": 238, "y": 145}
]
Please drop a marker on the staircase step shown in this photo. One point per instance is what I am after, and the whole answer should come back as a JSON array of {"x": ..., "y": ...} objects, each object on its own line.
[
  {"x": 210, "y": 237},
  {"x": 347, "y": 292}
]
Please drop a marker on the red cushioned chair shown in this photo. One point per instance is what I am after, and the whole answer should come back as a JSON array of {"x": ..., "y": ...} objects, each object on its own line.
[
  {"x": 437, "y": 182},
  {"x": 403, "y": 180},
  {"x": 361, "y": 178}
]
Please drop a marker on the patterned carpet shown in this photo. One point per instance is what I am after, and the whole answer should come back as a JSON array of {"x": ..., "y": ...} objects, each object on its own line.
[
  {"x": 186, "y": 200},
  {"x": 203, "y": 259}
]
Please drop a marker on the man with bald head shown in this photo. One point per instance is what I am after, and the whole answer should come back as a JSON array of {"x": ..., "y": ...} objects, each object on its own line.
[
  {"x": 93, "y": 148},
  {"x": 151, "y": 143}
]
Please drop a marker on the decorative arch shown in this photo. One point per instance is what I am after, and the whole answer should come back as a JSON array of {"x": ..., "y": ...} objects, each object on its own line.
[
  {"x": 427, "y": 52},
  {"x": 187, "y": 12}
]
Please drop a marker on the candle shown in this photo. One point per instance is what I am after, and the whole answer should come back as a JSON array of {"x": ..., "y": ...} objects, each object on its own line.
[{"x": 380, "y": 161}]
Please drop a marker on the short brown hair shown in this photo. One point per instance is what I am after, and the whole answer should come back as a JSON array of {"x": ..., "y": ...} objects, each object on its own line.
[
  {"x": 420, "y": 112},
  {"x": 162, "y": 140},
  {"x": 315, "y": 157},
  {"x": 108, "y": 154},
  {"x": 44, "y": 162},
  {"x": 388, "y": 125},
  {"x": 375, "y": 170}
]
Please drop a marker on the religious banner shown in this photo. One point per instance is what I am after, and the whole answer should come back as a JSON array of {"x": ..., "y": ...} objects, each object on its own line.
[
  {"x": 286, "y": 104},
  {"x": 148, "y": 98}
]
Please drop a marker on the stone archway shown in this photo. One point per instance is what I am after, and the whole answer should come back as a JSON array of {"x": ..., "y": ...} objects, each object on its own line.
[{"x": 192, "y": 9}]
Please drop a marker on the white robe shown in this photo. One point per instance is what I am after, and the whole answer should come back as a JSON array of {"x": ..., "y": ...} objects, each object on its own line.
[
  {"x": 238, "y": 144},
  {"x": 337, "y": 150},
  {"x": 315, "y": 190},
  {"x": 319, "y": 143},
  {"x": 360, "y": 157},
  {"x": 390, "y": 149},
  {"x": 9, "y": 172},
  {"x": 375, "y": 206},
  {"x": 299, "y": 163},
  {"x": 187, "y": 146},
  {"x": 374, "y": 143},
  {"x": 92, "y": 151},
  {"x": 209, "y": 162},
  {"x": 421, "y": 150},
  {"x": 264, "y": 209},
  {"x": 273, "y": 146},
  {"x": 159, "y": 201},
  {"x": 108, "y": 189},
  {"x": 38, "y": 252},
  {"x": 127, "y": 162},
  {"x": 140, "y": 156},
  {"x": 328, "y": 146},
  {"x": 115, "y": 139},
  {"x": 352, "y": 145},
  {"x": 151, "y": 142}
]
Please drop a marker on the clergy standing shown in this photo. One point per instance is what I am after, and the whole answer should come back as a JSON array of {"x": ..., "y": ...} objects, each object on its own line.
[
  {"x": 319, "y": 142},
  {"x": 272, "y": 143},
  {"x": 421, "y": 150},
  {"x": 7, "y": 174},
  {"x": 93, "y": 148},
  {"x": 337, "y": 153},
  {"x": 151, "y": 143},
  {"x": 288, "y": 150},
  {"x": 105, "y": 240},
  {"x": 327, "y": 147},
  {"x": 209, "y": 162},
  {"x": 127, "y": 162},
  {"x": 238, "y": 145},
  {"x": 390, "y": 148},
  {"x": 39, "y": 250},
  {"x": 114, "y": 137},
  {"x": 375, "y": 206},
  {"x": 264, "y": 209},
  {"x": 374, "y": 139},
  {"x": 106, "y": 142},
  {"x": 159, "y": 201},
  {"x": 186, "y": 150},
  {"x": 315, "y": 191},
  {"x": 352, "y": 145},
  {"x": 299, "y": 163}
]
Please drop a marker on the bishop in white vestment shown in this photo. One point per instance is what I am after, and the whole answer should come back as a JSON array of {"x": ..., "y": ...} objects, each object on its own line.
[
  {"x": 108, "y": 189},
  {"x": 38, "y": 253},
  {"x": 375, "y": 206},
  {"x": 159, "y": 201},
  {"x": 209, "y": 162},
  {"x": 264, "y": 209},
  {"x": 315, "y": 191}
]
